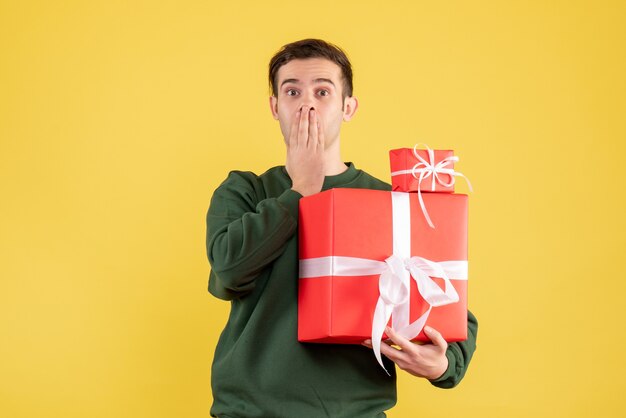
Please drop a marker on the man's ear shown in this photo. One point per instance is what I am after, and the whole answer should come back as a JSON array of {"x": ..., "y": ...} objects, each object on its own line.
[
  {"x": 350, "y": 108},
  {"x": 274, "y": 106}
]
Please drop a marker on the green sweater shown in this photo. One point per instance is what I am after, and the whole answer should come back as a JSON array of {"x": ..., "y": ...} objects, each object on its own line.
[{"x": 259, "y": 368}]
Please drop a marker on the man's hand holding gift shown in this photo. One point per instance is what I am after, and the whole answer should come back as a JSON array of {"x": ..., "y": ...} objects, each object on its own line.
[{"x": 426, "y": 360}]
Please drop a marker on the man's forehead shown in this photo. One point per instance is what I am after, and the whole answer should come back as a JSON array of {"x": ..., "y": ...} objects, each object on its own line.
[{"x": 310, "y": 69}]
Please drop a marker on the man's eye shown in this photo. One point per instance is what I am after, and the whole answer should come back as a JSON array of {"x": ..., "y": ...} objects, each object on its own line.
[
  {"x": 324, "y": 92},
  {"x": 290, "y": 91}
]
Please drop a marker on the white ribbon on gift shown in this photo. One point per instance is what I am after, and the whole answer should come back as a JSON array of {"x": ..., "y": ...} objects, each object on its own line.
[
  {"x": 395, "y": 276},
  {"x": 394, "y": 295},
  {"x": 427, "y": 169}
]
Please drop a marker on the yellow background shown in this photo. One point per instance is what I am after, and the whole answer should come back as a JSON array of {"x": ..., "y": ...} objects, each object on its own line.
[{"x": 118, "y": 119}]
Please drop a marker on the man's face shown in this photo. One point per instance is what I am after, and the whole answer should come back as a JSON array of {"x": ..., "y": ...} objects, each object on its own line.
[{"x": 313, "y": 82}]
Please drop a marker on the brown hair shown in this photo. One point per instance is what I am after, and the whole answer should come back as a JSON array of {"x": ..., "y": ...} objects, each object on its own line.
[{"x": 311, "y": 48}]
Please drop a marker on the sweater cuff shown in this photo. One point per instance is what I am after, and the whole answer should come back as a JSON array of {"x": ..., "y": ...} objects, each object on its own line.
[
  {"x": 449, "y": 371},
  {"x": 290, "y": 200}
]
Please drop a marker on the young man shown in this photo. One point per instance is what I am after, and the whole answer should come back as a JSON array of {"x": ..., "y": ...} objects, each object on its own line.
[{"x": 260, "y": 369}]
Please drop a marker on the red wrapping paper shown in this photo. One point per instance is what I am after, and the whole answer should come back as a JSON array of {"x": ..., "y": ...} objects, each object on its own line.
[
  {"x": 403, "y": 159},
  {"x": 358, "y": 223}
]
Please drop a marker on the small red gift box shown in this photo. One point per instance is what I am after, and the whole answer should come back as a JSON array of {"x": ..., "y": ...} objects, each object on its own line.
[
  {"x": 426, "y": 170},
  {"x": 355, "y": 243}
]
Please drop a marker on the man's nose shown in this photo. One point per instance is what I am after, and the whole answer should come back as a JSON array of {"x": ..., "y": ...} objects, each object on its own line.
[{"x": 307, "y": 99}]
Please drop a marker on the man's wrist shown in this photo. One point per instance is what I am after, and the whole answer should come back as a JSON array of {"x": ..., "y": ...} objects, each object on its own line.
[
  {"x": 441, "y": 370},
  {"x": 449, "y": 363},
  {"x": 304, "y": 191}
]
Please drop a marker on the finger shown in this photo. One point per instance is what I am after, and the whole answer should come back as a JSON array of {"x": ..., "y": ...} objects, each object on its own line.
[
  {"x": 293, "y": 133},
  {"x": 303, "y": 131},
  {"x": 367, "y": 343},
  {"x": 321, "y": 138},
  {"x": 395, "y": 355},
  {"x": 313, "y": 141},
  {"x": 399, "y": 340},
  {"x": 436, "y": 337}
]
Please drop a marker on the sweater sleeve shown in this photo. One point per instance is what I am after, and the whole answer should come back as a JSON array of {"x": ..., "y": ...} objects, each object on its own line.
[
  {"x": 245, "y": 233},
  {"x": 459, "y": 355}
]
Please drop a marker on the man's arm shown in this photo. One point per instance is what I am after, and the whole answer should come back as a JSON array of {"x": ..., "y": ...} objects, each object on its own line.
[
  {"x": 459, "y": 355},
  {"x": 245, "y": 234}
]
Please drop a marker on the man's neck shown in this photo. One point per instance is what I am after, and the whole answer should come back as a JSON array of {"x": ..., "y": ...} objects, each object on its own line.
[{"x": 333, "y": 163}]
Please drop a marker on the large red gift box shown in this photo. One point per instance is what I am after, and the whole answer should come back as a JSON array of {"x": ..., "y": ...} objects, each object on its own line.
[
  {"x": 337, "y": 304},
  {"x": 405, "y": 179}
]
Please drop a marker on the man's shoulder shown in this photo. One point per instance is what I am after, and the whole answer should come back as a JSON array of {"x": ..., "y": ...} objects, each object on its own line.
[
  {"x": 250, "y": 177},
  {"x": 253, "y": 186},
  {"x": 238, "y": 181},
  {"x": 274, "y": 173}
]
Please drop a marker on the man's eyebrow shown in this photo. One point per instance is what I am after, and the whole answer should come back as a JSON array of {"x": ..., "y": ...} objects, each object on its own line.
[
  {"x": 324, "y": 80},
  {"x": 290, "y": 80},
  {"x": 317, "y": 80}
]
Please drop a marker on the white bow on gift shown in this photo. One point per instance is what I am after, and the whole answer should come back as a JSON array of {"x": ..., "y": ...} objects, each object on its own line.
[
  {"x": 427, "y": 168},
  {"x": 394, "y": 294},
  {"x": 393, "y": 284}
]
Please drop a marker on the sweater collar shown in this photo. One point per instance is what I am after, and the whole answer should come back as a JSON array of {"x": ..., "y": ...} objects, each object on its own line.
[
  {"x": 340, "y": 179},
  {"x": 348, "y": 176}
]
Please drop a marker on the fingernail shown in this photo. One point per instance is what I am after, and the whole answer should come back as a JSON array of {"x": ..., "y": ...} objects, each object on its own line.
[
  {"x": 387, "y": 329},
  {"x": 427, "y": 328}
]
